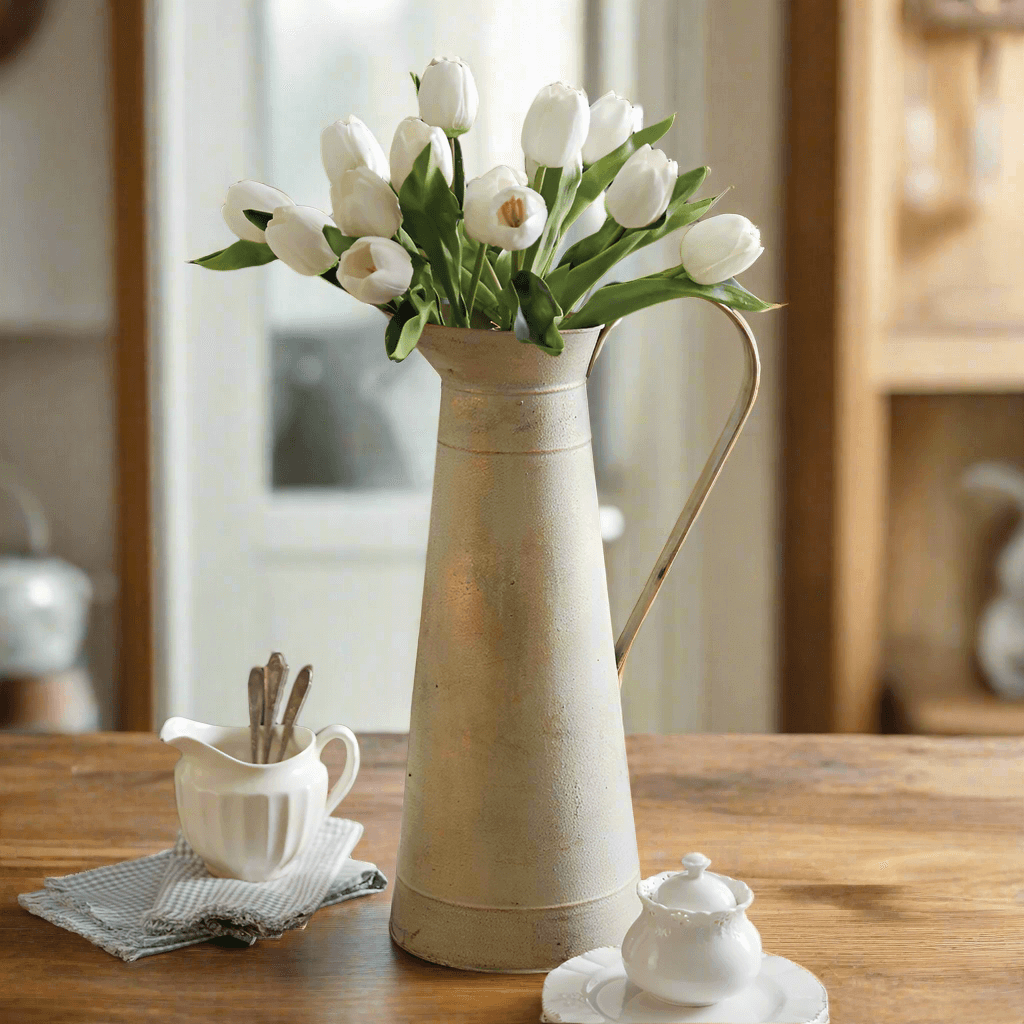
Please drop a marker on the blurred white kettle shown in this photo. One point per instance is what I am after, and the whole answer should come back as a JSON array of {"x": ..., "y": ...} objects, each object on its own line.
[
  {"x": 44, "y": 600},
  {"x": 1000, "y": 632}
]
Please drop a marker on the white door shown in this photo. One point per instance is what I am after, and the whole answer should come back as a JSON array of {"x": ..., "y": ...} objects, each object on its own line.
[{"x": 294, "y": 461}]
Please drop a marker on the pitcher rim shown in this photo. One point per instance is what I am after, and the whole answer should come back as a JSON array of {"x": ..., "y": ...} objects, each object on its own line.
[
  {"x": 227, "y": 729},
  {"x": 569, "y": 331}
]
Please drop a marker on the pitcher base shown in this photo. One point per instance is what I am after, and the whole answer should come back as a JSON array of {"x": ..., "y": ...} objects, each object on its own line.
[{"x": 508, "y": 941}]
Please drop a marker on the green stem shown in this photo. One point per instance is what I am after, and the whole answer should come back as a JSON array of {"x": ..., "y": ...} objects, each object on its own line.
[
  {"x": 494, "y": 274},
  {"x": 517, "y": 261},
  {"x": 474, "y": 283}
]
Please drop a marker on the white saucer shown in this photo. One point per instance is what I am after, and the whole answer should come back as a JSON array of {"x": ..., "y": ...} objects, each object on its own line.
[{"x": 593, "y": 989}]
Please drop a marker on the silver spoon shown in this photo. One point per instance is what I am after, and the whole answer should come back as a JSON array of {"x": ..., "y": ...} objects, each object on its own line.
[
  {"x": 255, "y": 711},
  {"x": 300, "y": 691},
  {"x": 276, "y": 676}
]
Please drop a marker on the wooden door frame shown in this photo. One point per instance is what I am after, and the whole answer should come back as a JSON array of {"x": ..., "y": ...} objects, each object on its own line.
[
  {"x": 135, "y": 660},
  {"x": 835, "y": 419}
]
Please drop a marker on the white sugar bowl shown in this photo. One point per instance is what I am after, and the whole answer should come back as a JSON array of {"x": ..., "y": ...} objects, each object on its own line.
[{"x": 692, "y": 943}]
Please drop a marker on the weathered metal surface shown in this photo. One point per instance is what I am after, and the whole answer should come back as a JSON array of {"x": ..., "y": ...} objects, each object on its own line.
[{"x": 518, "y": 849}]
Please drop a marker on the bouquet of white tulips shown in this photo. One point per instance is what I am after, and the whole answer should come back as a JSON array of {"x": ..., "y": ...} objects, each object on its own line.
[{"x": 410, "y": 236}]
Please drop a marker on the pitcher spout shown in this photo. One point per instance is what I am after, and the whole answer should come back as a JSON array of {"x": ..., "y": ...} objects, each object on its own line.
[{"x": 194, "y": 739}]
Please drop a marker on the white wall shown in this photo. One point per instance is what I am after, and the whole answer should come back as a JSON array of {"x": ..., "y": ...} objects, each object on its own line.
[{"x": 56, "y": 304}]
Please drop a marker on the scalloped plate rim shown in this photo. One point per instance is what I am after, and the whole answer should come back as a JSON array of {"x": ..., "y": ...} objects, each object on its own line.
[{"x": 607, "y": 960}]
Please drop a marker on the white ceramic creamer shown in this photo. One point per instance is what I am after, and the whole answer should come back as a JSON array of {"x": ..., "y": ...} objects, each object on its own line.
[{"x": 251, "y": 821}]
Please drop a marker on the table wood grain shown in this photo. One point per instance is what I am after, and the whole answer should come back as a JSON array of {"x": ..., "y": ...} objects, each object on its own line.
[{"x": 891, "y": 867}]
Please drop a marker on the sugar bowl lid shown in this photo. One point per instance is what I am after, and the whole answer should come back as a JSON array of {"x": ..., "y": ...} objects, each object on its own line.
[{"x": 693, "y": 890}]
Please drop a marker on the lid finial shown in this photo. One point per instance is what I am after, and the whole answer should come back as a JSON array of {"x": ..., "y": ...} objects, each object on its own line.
[
  {"x": 695, "y": 864},
  {"x": 693, "y": 890}
]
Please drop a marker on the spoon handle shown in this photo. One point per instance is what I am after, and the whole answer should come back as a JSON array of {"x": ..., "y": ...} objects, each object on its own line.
[
  {"x": 300, "y": 691},
  {"x": 255, "y": 711},
  {"x": 276, "y": 676}
]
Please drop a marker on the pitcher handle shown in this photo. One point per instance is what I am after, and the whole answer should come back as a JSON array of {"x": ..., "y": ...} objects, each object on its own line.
[
  {"x": 723, "y": 446},
  {"x": 348, "y": 775}
]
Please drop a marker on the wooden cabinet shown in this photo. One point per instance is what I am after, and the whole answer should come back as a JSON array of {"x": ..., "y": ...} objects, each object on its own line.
[{"x": 904, "y": 362}]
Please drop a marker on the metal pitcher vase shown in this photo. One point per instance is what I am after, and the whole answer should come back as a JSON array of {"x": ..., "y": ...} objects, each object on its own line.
[{"x": 518, "y": 849}]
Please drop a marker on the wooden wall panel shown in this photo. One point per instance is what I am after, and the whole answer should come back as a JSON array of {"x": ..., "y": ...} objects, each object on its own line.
[
  {"x": 809, "y": 369},
  {"x": 135, "y": 656}
]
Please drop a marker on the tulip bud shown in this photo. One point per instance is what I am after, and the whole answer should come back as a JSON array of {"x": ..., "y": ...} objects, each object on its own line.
[
  {"x": 375, "y": 270},
  {"x": 250, "y": 195},
  {"x": 480, "y": 191},
  {"x": 346, "y": 145},
  {"x": 556, "y": 125},
  {"x": 448, "y": 96},
  {"x": 364, "y": 204},
  {"x": 412, "y": 136},
  {"x": 612, "y": 120},
  {"x": 641, "y": 191},
  {"x": 718, "y": 248},
  {"x": 513, "y": 218},
  {"x": 295, "y": 234}
]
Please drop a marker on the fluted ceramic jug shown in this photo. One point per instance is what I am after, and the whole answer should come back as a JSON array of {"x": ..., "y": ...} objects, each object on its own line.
[{"x": 518, "y": 849}]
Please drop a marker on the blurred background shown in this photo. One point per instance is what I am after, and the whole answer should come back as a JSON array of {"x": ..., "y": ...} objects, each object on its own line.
[{"x": 196, "y": 469}]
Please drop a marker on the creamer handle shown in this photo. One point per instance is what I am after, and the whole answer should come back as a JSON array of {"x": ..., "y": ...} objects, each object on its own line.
[
  {"x": 351, "y": 770},
  {"x": 737, "y": 418}
]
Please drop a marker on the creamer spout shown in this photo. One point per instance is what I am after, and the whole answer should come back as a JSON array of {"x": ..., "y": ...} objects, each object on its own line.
[{"x": 193, "y": 739}]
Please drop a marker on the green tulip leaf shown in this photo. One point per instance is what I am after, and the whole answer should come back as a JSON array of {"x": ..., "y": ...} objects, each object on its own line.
[
  {"x": 259, "y": 218},
  {"x": 573, "y": 279},
  {"x": 415, "y": 81},
  {"x": 431, "y": 215},
  {"x": 338, "y": 242},
  {"x": 458, "y": 174},
  {"x": 503, "y": 267},
  {"x": 591, "y": 246},
  {"x": 405, "y": 327},
  {"x": 558, "y": 189},
  {"x": 540, "y": 310},
  {"x": 678, "y": 214},
  {"x": 570, "y": 283},
  {"x": 486, "y": 300},
  {"x": 238, "y": 256},
  {"x": 416, "y": 309},
  {"x": 618, "y": 300},
  {"x": 598, "y": 176}
]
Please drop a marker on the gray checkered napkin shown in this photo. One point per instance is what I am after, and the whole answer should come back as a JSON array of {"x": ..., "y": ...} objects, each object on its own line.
[{"x": 169, "y": 900}]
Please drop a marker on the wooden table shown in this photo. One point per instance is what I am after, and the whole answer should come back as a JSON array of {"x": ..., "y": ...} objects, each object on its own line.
[{"x": 891, "y": 867}]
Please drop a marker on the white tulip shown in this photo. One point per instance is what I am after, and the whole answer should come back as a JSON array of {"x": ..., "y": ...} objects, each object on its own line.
[
  {"x": 364, "y": 204},
  {"x": 375, "y": 270},
  {"x": 612, "y": 120},
  {"x": 556, "y": 125},
  {"x": 513, "y": 219},
  {"x": 480, "y": 191},
  {"x": 346, "y": 145},
  {"x": 718, "y": 248},
  {"x": 641, "y": 191},
  {"x": 295, "y": 234},
  {"x": 251, "y": 195},
  {"x": 412, "y": 136},
  {"x": 448, "y": 96}
]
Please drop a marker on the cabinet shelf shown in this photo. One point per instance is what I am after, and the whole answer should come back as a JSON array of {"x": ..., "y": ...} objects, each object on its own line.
[
  {"x": 938, "y": 693},
  {"x": 921, "y": 361}
]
